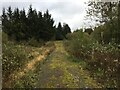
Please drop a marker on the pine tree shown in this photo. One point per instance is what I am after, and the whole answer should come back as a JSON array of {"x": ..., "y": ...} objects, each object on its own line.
[
  {"x": 10, "y": 22},
  {"x": 30, "y": 22},
  {"x": 16, "y": 25},
  {"x": 66, "y": 29},
  {"x": 36, "y": 25},
  {"x": 10, "y": 14},
  {"x": 4, "y": 21},
  {"x": 40, "y": 26},
  {"x": 24, "y": 26},
  {"x": 49, "y": 30},
  {"x": 59, "y": 32}
]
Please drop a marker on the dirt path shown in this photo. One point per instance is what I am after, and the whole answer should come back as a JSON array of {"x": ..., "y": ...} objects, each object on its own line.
[
  {"x": 60, "y": 72},
  {"x": 29, "y": 66},
  {"x": 57, "y": 71}
]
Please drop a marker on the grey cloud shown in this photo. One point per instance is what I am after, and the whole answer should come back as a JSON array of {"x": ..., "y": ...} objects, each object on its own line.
[
  {"x": 66, "y": 8},
  {"x": 15, "y": 4},
  {"x": 61, "y": 11}
]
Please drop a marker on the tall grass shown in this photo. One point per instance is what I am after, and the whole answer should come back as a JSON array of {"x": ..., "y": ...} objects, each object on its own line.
[{"x": 15, "y": 55}]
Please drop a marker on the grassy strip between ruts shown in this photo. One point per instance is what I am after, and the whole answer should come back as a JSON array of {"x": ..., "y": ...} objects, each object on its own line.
[{"x": 60, "y": 72}]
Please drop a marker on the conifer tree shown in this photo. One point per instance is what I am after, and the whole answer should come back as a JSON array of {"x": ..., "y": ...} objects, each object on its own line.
[
  {"x": 59, "y": 32},
  {"x": 66, "y": 29}
]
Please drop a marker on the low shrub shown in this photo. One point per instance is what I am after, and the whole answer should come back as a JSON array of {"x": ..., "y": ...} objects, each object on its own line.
[
  {"x": 103, "y": 61},
  {"x": 13, "y": 57},
  {"x": 16, "y": 54},
  {"x": 105, "y": 65},
  {"x": 35, "y": 43},
  {"x": 79, "y": 44}
]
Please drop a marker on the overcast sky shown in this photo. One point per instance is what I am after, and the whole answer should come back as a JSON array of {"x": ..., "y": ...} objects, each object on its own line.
[{"x": 71, "y": 12}]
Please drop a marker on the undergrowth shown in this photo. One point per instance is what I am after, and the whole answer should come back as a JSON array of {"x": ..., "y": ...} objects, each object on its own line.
[
  {"x": 102, "y": 61},
  {"x": 16, "y": 54}
]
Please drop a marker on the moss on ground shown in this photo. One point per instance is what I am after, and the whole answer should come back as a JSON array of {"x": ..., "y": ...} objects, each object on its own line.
[{"x": 60, "y": 72}]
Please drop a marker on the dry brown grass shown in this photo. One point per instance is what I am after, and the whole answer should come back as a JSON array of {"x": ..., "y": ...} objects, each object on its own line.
[{"x": 29, "y": 66}]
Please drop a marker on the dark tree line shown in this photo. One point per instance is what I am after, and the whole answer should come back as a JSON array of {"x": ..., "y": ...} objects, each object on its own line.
[
  {"x": 62, "y": 31},
  {"x": 20, "y": 25}
]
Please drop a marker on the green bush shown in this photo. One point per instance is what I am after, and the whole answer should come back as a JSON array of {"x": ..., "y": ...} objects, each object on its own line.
[
  {"x": 15, "y": 55},
  {"x": 105, "y": 65},
  {"x": 102, "y": 60},
  {"x": 79, "y": 44},
  {"x": 4, "y": 37},
  {"x": 35, "y": 43}
]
